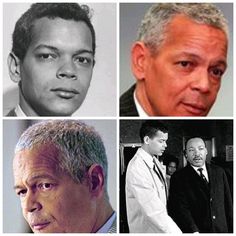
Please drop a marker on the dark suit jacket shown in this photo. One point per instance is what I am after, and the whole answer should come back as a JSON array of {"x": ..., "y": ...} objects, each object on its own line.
[
  {"x": 11, "y": 113},
  {"x": 127, "y": 105},
  {"x": 194, "y": 206}
]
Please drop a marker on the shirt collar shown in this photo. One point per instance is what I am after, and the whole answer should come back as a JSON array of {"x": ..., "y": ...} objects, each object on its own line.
[
  {"x": 19, "y": 112},
  {"x": 140, "y": 110},
  {"x": 204, "y": 170},
  {"x": 105, "y": 228},
  {"x": 149, "y": 159}
]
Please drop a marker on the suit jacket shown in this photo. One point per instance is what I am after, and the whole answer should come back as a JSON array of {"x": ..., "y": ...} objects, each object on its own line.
[
  {"x": 127, "y": 105},
  {"x": 146, "y": 196},
  {"x": 11, "y": 113},
  {"x": 196, "y": 206}
]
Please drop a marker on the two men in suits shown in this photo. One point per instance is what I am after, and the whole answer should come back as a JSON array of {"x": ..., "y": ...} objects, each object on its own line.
[
  {"x": 178, "y": 61},
  {"x": 199, "y": 197},
  {"x": 146, "y": 188}
]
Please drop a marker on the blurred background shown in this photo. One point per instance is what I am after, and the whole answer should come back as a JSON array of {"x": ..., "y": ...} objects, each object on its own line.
[{"x": 13, "y": 221}]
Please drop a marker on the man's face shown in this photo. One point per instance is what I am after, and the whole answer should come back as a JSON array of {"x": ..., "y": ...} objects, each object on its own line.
[
  {"x": 196, "y": 152},
  {"x": 57, "y": 68},
  {"x": 51, "y": 201},
  {"x": 157, "y": 144},
  {"x": 171, "y": 168},
  {"x": 184, "y": 76}
]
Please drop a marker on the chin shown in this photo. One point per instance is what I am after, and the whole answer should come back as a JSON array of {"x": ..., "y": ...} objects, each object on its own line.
[{"x": 62, "y": 111}]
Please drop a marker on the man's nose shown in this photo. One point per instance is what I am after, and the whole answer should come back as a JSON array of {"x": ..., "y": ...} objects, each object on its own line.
[
  {"x": 67, "y": 70},
  {"x": 201, "y": 81},
  {"x": 31, "y": 203}
]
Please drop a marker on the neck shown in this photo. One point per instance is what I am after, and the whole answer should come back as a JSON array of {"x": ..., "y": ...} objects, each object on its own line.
[
  {"x": 26, "y": 108},
  {"x": 146, "y": 149},
  {"x": 103, "y": 214},
  {"x": 143, "y": 99}
]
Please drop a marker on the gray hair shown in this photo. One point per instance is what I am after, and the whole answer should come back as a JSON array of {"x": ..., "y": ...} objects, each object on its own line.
[
  {"x": 80, "y": 145},
  {"x": 153, "y": 27}
]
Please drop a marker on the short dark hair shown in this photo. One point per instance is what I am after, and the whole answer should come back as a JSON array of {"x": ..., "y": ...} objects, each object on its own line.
[
  {"x": 168, "y": 158},
  {"x": 150, "y": 128},
  {"x": 22, "y": 35}
]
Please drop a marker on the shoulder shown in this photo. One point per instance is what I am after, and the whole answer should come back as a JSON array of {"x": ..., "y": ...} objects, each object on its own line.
[
  {"x": 11, "y": 113},
  {"x": 127, "y": 105},
  {"x": 215, "y": 169},
  {"x": 182, "y": 175},
  {"x": 137, "y": 168}
]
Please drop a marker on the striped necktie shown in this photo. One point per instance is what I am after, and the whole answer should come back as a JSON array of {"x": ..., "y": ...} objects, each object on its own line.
[{"x": 202, "y": 175}]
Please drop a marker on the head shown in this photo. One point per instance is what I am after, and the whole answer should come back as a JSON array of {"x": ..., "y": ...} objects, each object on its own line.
[
  {"x": 171, "y": 165},
  {"x": 53, "y": 75},
  {"x": 60, "y": 172},
  {"x": 196, "y": 152},
  {"x": 179, "y": 58},
  {"x": 154, "y": 135}
]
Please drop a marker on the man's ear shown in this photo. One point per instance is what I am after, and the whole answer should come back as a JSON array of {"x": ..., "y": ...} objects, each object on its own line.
[
  {"x": 14, "y": 67},
  {"x": 96, "y": 180},
  {"x": 146, "y": 139},
  {"x": 139, "y": 55}
]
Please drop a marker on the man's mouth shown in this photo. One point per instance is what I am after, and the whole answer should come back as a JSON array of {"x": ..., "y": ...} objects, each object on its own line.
[
  {"x": 39, "y": 226},
  {"x": 65, "y": 93},
  {"x": 195, "y": 109}
]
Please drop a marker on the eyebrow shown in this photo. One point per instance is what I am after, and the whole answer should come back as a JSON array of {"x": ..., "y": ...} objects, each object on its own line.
[
  {"x": 33, "y": 178},
  {"x": 43, "y": 46},
  {"x": 192, "y": 55}
]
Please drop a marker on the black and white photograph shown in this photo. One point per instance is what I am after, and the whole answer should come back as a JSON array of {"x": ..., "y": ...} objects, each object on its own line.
[
  {"x": 176, "y": 176},
  {"x": 59, "y": 59}
]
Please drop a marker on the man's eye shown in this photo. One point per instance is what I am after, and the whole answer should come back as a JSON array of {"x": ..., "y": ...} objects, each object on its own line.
[
  {"x": 22, "y": 192},
  {"x": 83, "y": 60},
  {"x": 216, "y": 72},
  {"x": 46, "y": 56},
  {"x": 45, "y": 186},
  {"x": 184, "y": 63}
]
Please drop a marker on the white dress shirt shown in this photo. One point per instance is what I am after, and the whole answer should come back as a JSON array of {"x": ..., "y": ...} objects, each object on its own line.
[
  {"x": 139, "y": 108},
  {"x": 19, "y": 112},
  {"x": 204, "y": 171}
]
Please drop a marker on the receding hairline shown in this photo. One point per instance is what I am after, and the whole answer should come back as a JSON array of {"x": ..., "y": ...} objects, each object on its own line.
[{"x": 198, "y": 138}]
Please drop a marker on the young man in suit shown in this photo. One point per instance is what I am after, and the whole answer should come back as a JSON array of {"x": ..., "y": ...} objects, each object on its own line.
[
  {"x": 146, "y": 188},
  {"x": 52, "y": 59},
  {"x": 199, "y": 197}
]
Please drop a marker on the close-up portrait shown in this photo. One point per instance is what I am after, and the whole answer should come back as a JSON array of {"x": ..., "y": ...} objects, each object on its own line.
[
  {"x": 58, "y": 59},
  {"x": 59, "y": 176},
  {"x": 176, "y": 59}
]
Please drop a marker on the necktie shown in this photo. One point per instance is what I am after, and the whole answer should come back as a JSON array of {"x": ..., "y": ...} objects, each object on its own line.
[
  {"x": 160, "y": 175},
  {"x": 202, "y": 175}
]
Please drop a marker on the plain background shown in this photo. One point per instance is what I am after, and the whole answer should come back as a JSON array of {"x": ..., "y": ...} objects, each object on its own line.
[
  {"x": 13, "y": 221},
  {"x": 131, "y": 15},
  {"x": 101, "y": 97}
]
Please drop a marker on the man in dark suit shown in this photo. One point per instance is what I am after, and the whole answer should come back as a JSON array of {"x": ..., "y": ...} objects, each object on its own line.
[{"x": 200, "y": 199}]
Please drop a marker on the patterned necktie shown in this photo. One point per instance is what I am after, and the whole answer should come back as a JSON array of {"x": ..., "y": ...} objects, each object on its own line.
[{"x": 202, "y": 175}]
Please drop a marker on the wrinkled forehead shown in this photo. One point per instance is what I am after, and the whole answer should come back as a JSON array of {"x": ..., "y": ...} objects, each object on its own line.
[
  {"x": 37, "y": 158},
  {"x": 195, "y": 142}
]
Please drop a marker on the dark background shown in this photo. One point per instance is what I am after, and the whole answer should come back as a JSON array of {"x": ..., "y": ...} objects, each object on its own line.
[{"x": 220, "y": 130}]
